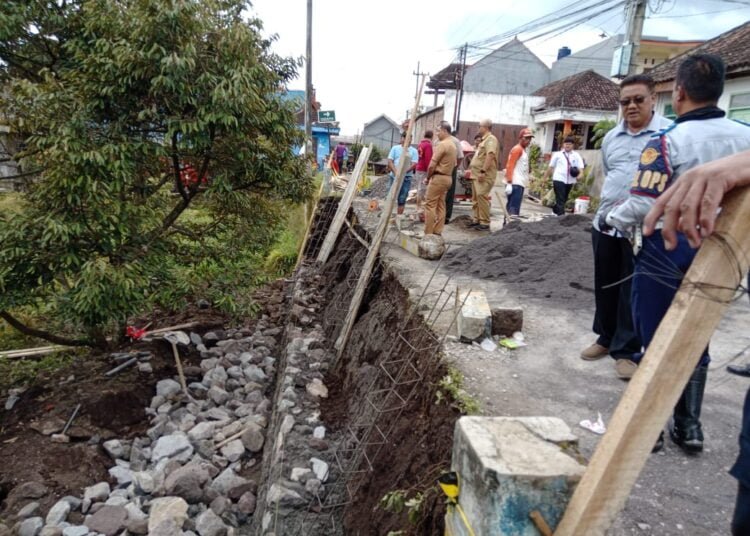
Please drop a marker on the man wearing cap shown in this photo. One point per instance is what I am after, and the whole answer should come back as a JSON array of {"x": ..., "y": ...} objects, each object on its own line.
[
  {"x": 517, "y": 172},
  {"x": 483, "y": 172}
]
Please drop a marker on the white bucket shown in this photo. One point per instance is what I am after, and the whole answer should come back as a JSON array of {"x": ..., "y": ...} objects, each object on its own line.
[{"x": 581, "y": 205}]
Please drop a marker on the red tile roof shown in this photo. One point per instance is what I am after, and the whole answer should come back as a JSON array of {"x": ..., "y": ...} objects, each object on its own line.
[
  {"x": 732, "y": 46},
  {"x": 584, "y": 91}
]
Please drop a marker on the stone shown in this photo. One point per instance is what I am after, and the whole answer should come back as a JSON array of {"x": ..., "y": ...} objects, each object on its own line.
[
  {"x": 313, "y": 486},
  {"x": 506, "y": 322},
  {"x": 109, "y": 520},
  {"x": 176, "y": 445},
  {"x": 195, "y": 338},
  {"x": 246, "y": 503},
  {"x": 75, "y": 530},
  {"x": 280, "y": 495},
  {"x": 145, "y": 368},
  {"x": 218, "y": 395},
  {"x": 165, "y": 528},
  {"x": 74, "y": 502},
  {"x": 28, "y": 510},
  {"x": 252, "y": 438},
  {"x": 319, "y": 432},
  {"x": 96, "y": 493},
  {"x": 254, "y": 374},
  {"x": 114, "y": 448},
  {"x": 167, "y": 509},
  {"x": 218, "y": 414},
  {"x": 220, "y": 504},
  {"x": 236, "y": 492},
  {"x": 51, "y": 530},
  {"x": 202, "y": 430},
  {"x": 48, "y": 426},
  {"x": 58, "y": 513},
  {"x": 31, "y": 526},
  {"x": 60, "y": 438},
  {"x": 299, "y": 474},
  {"x": 144, "y": 482},
  {"x": 123, "y": 476},
  {"x": 178, "y": 337},
  {"x": 168, "y": 388},
  {"x": 431, "y": 247},
  {"x": 209, "y": 524},
  {"x": 216, "y": 376},
  {"x": 320, "y": 468},
  {"x": 29, "y": 490},
  {"x": 187, "y": 482},
  {"x": 317, "y": 389},
  {"x": 233, "y": 450},
  {"x": 115, "y": 500},
  {"x": 507, "y": 462},
  {"x": 474, "y": 318},
  {"x": 227, "y": 480}
]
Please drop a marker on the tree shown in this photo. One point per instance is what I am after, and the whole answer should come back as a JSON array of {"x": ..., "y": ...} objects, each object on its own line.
[
  {"x": 600, "y": 130},
  {"x": 154, "y": 131}
]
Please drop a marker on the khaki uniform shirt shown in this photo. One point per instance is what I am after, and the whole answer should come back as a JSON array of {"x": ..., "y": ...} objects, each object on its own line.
[
  {"x": 487, "y": 145},
  {"x": 444, "y": 157}
]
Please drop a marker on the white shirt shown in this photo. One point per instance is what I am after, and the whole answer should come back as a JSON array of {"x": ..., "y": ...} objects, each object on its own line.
[
  {"x": 521, "y": 171},
  {"x": 561, "y": 166}
]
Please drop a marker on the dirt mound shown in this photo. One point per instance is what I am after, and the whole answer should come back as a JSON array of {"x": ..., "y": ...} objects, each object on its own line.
[{"x": 549, "y": 259}]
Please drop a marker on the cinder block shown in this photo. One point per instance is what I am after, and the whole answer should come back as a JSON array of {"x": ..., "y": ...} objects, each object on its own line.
[
  {"x": 509, "y": 467},
  {"x": 507, "y": 321},
  {"x": 474, "y": 319}
]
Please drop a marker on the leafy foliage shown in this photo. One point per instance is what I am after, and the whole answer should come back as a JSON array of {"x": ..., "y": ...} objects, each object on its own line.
[
  {"x": 601, "y": 129},
  {"x": 157, "y": 143},
  {"x": 450, "y": 387}
]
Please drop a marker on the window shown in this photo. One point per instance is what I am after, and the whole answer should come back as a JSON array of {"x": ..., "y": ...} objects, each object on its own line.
[
  {"x": 739, "y": 107},
  {"x": 669, "y": 112}
]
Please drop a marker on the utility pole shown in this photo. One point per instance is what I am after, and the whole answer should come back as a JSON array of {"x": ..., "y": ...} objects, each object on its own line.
[
  {"x": 308, "y": 85},
  {"x": 636, "y": 15},
  {"x": 417, "y": 73},
  {"x": 460, "y": 88}
]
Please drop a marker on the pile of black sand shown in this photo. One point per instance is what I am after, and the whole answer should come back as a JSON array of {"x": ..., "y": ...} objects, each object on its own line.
[{"x": 548, "y": 259}]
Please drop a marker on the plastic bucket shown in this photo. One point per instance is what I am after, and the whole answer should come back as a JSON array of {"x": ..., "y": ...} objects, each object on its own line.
[{"x": 581, "y": 205}]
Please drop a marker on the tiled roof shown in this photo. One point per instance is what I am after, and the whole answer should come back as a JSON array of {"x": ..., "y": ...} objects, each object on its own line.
[
  {"x": 583, "y": 91},
  {"x": 446, "y": 78},
  {"x": 732, "y": 46}
]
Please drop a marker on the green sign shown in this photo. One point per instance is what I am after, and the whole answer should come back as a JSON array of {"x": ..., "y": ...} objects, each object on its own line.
[{"x": 326, "y": 116}]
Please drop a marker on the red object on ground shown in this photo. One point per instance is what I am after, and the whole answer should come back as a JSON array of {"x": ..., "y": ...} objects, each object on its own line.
[{"x": 135, "y": 333}]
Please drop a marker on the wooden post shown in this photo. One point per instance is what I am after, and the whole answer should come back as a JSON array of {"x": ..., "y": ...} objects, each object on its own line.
[
  {"x": 344, "y": 204},
  {"x": 301, "y": 252},
  {"x": 661, "y": 377},
  {"x": 385, "y": 216}
]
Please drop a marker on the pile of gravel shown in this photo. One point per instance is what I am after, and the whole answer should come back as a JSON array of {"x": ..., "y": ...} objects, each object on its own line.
[{"x": 548, "y": 259}]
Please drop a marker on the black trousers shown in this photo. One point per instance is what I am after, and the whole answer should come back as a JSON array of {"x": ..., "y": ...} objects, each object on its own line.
[
  {"x": 741, "y": 518},
  {"x": 613, "y": 319},
  {"x": 450, "y": 195},
  {"x": 562, "y": 191}
]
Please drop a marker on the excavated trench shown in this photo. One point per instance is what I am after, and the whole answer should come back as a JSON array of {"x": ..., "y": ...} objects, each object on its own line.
[{"x": 384, "y": 430}]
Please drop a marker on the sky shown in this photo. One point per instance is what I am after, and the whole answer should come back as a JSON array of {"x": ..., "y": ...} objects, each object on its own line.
[{"x": 364, "y": 53}]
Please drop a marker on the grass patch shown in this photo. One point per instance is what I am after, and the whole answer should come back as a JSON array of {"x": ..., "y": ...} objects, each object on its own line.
[
  {"x": 10, "y": 203},
  {"x": 18, "y": 372},
  {"x": 450, "y": 389}
]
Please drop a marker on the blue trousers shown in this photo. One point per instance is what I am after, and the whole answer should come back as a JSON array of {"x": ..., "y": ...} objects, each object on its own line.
[
  {"x": 657, "y": 276},
  {"x": 403, "y": 193},
  {"x": 514, "y": 200}
]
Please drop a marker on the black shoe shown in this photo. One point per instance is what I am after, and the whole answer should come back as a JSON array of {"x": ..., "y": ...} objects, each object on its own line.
[
  {"x": 659, "y": 443},
  {"x": 473, "y": 224},
  {"x": 482, "y": 227},
  {"x": 447, "y": 221},
  {"x": 685, "y": 430},
  {"x": 739, "y": 370}
]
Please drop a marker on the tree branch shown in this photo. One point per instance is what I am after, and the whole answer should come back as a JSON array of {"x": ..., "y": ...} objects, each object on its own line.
[
  {"x": 32, "y": 332},
  {"x": 176, "y": 167}
]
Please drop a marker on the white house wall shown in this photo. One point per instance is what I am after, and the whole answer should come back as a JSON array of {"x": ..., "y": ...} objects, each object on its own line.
[
  {"x": 502, "y": 109},
  {"x": 731, "y": 87}
]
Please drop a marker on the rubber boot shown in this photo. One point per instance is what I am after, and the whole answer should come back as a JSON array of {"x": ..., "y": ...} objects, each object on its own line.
[{"x": 685, "y": 430}]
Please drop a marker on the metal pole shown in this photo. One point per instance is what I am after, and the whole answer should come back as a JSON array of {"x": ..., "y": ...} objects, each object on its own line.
[
  {"x": 308, "y": 85},
  {"x": 461, "y": 97}
]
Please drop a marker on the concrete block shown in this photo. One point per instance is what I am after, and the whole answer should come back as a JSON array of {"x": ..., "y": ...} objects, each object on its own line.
[
  {"x": 507, "y": 321},
  {"x": 474, "y": 319},
  {"x": 509, "y": 467}
]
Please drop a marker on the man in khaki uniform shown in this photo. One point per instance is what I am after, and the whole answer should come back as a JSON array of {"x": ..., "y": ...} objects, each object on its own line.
[
  {"x": 439, "y": 181},
  {"x": 483, "y": 172}
]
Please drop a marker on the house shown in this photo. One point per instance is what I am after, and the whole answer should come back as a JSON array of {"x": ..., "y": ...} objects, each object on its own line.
[
  {"x": 653, "y": 50},
  {"x": 383, "y": 132},
  {"x": 429, "y": 120},
  {"x": 734, "y": 48},
  {"x": 321, "y": 132},
  {"x": 512, "y": 69},
  {"x": 574, "y": 104}
]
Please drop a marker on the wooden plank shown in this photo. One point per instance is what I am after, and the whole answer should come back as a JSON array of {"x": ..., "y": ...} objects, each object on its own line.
[
  {"x": 377, "y": 239},
  {"x": 344, "y": 204},
  {"x": 310, "y": 221},
  {"x": 649, "y": 399}
]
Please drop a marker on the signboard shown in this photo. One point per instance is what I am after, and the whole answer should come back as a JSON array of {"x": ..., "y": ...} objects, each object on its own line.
[
  {"x": 326, "y": 116},
  {"x": 621, "y": 61}
]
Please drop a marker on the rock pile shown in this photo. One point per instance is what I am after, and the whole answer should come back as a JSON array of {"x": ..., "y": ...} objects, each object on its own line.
[{"x": 185, "y": 476}]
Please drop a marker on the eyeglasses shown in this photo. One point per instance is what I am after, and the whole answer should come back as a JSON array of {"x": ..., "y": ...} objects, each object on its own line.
[{"x": 639, "y": 99}]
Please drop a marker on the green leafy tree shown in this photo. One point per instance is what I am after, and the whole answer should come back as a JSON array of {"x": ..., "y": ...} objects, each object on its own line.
[
  {"x": 155, "y": 137},
  {"x": 600, "y": 130}
]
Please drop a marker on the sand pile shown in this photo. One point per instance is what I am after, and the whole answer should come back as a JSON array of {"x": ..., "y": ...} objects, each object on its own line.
[{"x": 547, "y": 259}]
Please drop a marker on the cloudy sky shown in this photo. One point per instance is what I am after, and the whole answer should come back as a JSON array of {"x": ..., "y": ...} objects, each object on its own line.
[{"x": 365, "y": 52}]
